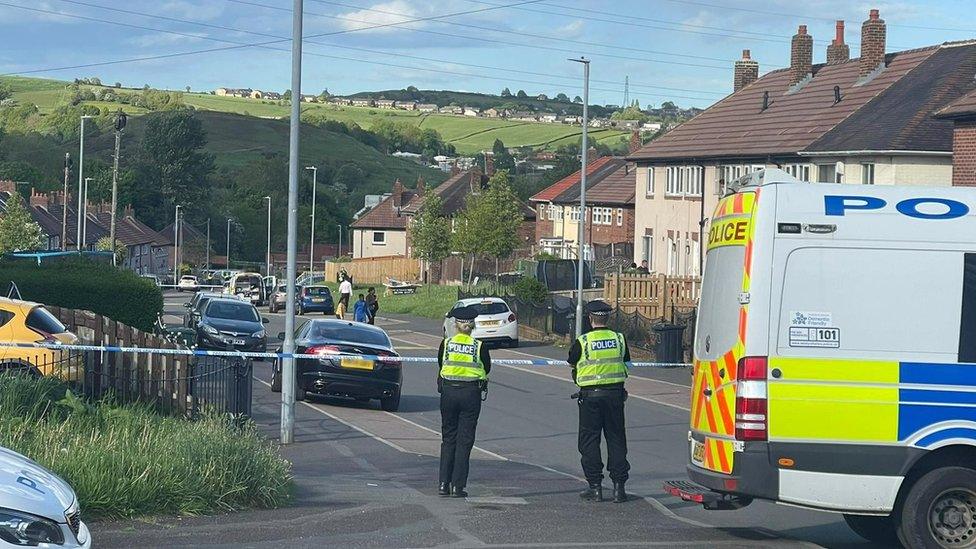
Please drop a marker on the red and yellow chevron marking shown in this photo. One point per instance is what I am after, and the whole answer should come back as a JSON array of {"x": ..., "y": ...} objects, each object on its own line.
[{"x": 731, "y": 225}]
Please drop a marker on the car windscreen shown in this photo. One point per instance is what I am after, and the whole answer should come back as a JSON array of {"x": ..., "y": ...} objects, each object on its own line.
[
  {"x": 229, "y": 310},
  {"x": 202, "y": 303},
  {"x": 41, "y": 320},
  {"x": 318, "y": 291},
  {"x": 246, "y": 281},
  {"x": 332, "y": 331},
  {"x": 493, "y": 308}
]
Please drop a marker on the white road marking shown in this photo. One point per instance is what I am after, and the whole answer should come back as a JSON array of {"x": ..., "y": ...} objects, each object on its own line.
[{"x": 438, "y": 433}]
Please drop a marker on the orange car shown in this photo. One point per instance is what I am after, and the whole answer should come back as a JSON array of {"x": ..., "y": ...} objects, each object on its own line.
[{"x": 26, "y": 322}]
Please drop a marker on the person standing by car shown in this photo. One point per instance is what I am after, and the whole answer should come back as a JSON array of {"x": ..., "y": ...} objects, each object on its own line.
[
  {"x": 372, "y": 304},
  {"x": 464, "y": 366},
  {"x": 345, "y": 293},
  {"x": 599, "y": 359}
]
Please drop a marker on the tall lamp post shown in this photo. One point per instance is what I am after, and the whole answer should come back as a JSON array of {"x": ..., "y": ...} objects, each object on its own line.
[
  {"x": 268, "y": 265},
  {"x": 81, "y": 178},
  {"x": 581, "y": 244},
  {"x": 120, "y": 120},
  {"x": 83, "y": 219},
  {"x": 176, "y": 246},
  {"x": 311, "y": 244},
  {"x": 339, "y": 253},
  {"x": 228, "y": 244},
  {"x": 64, "y": 203}
]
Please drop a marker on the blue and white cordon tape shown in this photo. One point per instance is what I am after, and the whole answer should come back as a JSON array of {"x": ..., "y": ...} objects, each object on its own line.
[{"x": 251, "y": 354}]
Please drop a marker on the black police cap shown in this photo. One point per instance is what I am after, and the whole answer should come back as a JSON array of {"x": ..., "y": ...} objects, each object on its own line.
[
  {"x": 598, "y": 308},
  {"x": 465, "y": 314}
]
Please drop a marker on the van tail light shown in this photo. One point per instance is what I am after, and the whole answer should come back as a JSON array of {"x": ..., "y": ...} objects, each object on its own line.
[
  {"x": 750, "y": 400},
  {"x": 511, "y": 317}
]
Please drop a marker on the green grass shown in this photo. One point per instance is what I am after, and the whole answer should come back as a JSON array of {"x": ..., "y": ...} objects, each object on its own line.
[
  {"x": 126, "y": 461},
  {"x": 433, "y": 305}
]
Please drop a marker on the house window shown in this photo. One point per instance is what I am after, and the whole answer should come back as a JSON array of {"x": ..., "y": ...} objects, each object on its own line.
[
  {"x": 620, "y": 217},
  {"x": 379, "y": 238},
  {"x": 648, "y": 249},
  {"x": 552, "y": 212},
  {"x": 867, "y": 174},
  {"x": 602, "y": 216},
  {"x": 799, "y": 171},
  {"x": 542, "y": 211},
  {"x": 574, "y": 214},
  {"x": 827, "y": 173},
  {"x": 672, "y": 257},
  {"x": 693, "y": 185},
  {"x": 673, "y": 187},
  {"x": 650, "y": 181}
]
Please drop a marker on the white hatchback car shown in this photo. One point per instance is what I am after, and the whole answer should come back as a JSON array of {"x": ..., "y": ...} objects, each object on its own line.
[
  {"x": 37, "y": 508},
  {"x": 188, "y": 283},
  {"x": 495, "y": 323}
]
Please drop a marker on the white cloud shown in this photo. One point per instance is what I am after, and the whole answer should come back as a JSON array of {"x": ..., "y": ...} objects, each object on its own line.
[
  {"x": 163, "y": 39},
  {"x": 197, "y": 11},
  {"x": 10, "y": 15},
  {"x": 379, "y": 14},
  {"x": 570, "y": 30}
]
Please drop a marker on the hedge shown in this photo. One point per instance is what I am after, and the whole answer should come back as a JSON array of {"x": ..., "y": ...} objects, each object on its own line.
[{"x": 81, "y": 284}]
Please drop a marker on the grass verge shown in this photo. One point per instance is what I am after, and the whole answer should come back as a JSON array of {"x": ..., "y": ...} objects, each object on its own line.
[{"x": 126, "y": 461}]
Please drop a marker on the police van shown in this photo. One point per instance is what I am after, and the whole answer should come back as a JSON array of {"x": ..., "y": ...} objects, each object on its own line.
[{"x": 835, "y": 357}]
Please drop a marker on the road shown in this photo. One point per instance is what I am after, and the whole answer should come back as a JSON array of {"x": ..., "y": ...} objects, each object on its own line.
[{"x": 367, "y": 478}]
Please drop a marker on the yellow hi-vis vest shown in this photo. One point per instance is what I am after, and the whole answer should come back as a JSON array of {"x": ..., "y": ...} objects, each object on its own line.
[
  {"x": 602, "y": 360},
  {"x": 462, "y": 359}
]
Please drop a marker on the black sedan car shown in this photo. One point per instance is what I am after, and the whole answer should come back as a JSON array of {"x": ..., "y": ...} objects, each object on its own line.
[
  {"x": 337, "y": 373},
  {"x": 232, "y": 325}
]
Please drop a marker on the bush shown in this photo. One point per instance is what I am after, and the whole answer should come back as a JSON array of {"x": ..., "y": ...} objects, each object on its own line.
[
  {"x": 126, "y": 461},
  {"x": 530, "y": 290},
  {"x": 80, "y": 284}
]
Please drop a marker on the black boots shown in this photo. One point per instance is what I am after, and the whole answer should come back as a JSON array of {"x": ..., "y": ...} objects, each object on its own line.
[
  {"x": 619, "y": 494},
  {"x": 594, "y": 492},
  {"x": 458, "y": 492},
  {"x": 444, "y": 489}
]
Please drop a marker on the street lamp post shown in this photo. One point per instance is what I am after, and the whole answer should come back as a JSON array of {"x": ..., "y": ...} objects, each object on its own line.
[
  {"x": 120, "y": 120},
  {"x": 268, "y": 265},
  {"x": 581, "y": 244},
  {"x": 311, "y": 244},
  {"x": 339, "y": 253},
  {"x": 227, "y": 260},
  {"x": 83, "y": 220},
  {"x": 64, "y": 203},
  {"x": 208, "y": 244},
  {"x": 81, "y": 178},
  {"x": 176, "y": 246}
]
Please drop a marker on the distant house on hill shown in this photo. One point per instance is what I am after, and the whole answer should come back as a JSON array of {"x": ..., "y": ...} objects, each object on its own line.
[
  {"x": 472, "y": 111},
  {"x": 257, "y": 94},
  {"x": 359, "y": 102},
  {"x": 273, "y": 96},
  {"x": 427, "y": 107},
  {"x": 452, "y": 109},
  {"x": 406, "y": 105},
  {"x": 385, "y": 103},
  {"x": 542, "y": 97},
  {"x": 233, "y": 92}
]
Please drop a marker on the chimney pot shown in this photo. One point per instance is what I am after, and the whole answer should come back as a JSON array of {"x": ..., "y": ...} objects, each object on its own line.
[
  {"x": 838, "y": 51},
  {"x": 875, "y": 15},
  {"x": 802, "y": 29},
  {"x": 745, "y": 55},
  {"x": 839, "y": 36}
]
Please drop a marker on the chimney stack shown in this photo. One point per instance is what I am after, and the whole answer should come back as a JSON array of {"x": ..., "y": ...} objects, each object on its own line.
[
  {"x": 397, "y": 193},
  {"x": 746, "y": 72},
  {"x": 421, "y": 185},
  {"x": 635, "y": 142},
  {"x": 873, "y": 33},
  {"x": 838, "y": 51},
  {"x": 38, "y": 199},
  {"x": 489, "y": 165},
  {"x": 801, "y": 56}
]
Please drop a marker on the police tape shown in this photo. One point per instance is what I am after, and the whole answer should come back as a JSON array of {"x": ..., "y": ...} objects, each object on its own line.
[{"x": 322, "y": 356}]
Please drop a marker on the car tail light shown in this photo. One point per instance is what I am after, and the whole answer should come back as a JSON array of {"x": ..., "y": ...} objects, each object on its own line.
[
  {"x": 323, "y": 350},
  {"x": 388, "y": 362},
  {"x": 750, "y": 400},
  {"x": 511, "y": 317}
]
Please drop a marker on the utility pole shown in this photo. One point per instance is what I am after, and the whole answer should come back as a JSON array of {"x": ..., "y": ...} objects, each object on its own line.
[
  {"x": 64, "y": 203},
  {"x": 581, "y": 244},
  {"x": 267, "y": 266},
  {"x": 339, "y": 253},
  {"x": 228, "y": 244},
  {"x": 176, "y": 246},
  {"x": 84, "y": 214},
  {"x": 288, "y": 346},
  {"x": 208, "y": 244},
  {"x": 119, "y": 126},
  {"x": 311, "y": 244},
  {"x": 626, "y": 91},
  {"x": 81, "y": 179}
]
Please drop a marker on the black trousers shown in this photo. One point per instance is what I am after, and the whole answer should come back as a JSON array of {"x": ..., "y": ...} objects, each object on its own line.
[
  {"x": 460, "y": 408},
  {"x": 602, "y": 412}
]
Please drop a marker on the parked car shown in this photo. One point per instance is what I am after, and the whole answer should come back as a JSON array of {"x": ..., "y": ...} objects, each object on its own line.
[
  {"x": 226, "y": 323},
  {"x": 152, "y": 278},
  {"x": 194, "y": 307},
  {"x": 495, "y": 323},
  {"x": 188, "y": 283},
  {"x": 248, "y": 287},
  {"x": 278, "y": 298},
  {"x": 37, "y": 508},
  {"x": 315, "y": 299},
  {"x": 27, "y": 322},
  {"x": 337, "y": 373}
]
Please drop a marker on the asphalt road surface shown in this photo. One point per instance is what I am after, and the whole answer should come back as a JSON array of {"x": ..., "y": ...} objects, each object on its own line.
[{"x": 367, "y": 478}]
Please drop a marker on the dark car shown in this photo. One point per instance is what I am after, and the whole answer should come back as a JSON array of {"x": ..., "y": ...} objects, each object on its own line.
[
  {"x": 231, "y": 324},
  {"x": 194, "y": 307},
  {"x": 339, "y": 374},
  {"x": 315, "y": 299}
]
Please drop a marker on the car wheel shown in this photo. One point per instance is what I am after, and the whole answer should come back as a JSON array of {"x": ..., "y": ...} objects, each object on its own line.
[
  {"x": 938, "y": 510},
  {"x": 19, "y": 368},
  {"x": 513, "y": 343},
  {"x": 391, "y": 403},
  {"x": 275, "y": 379},
  {"x": 300, "y": 393},
  {"x": 877, "y": 529}
]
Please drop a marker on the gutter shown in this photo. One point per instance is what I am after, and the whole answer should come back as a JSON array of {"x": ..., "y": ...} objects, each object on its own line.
[{"x": 893, "y": 152}]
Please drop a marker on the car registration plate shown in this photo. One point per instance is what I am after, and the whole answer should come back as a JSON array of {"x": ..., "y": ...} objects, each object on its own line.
[
  {"x": 239, "y": 342},
  {"x": 490, "y": 322},
  {"x": 697, "y": 452},
  {"x": 356, "y": 363},
  {"x": 317, "y": 300}
]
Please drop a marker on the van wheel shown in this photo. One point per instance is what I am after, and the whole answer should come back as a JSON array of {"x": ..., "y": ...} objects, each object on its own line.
[
  {"x": 876, "y": 529},
  {"x": 940, "y": 510}
]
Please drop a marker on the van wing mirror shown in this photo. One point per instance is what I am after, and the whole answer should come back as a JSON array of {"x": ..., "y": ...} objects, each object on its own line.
[{"x": 281, "y": 335}]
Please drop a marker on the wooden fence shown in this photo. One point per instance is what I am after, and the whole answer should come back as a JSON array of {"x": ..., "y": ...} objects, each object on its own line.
[
  {"x": 652, "y": 296},
  {"x": 376, "y": 270}
]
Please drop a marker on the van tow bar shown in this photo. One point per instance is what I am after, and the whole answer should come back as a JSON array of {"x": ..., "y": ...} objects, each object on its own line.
[{"x": 709, "y": 499}]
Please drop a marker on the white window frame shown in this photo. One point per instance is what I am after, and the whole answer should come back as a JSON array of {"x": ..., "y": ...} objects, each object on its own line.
[
  {"x": 574, "y": 214},
  {"x": 649, "y": 191},
  {"x": 382, "y": 240},
  {"x": 672, "y": 256},
  {"x": 620, "y": 217},
  {"x": 694, "y": 180},
  {"x": 648, "y": 252},
  {"x": 867, "y": 173},
  {"x": 833, "y": 170},
  {"x": 799, "y": 171},
  {"x": 673, "y": 187}
]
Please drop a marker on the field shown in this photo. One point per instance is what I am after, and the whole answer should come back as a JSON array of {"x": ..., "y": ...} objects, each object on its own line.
[{"x": 468, "y": 134}]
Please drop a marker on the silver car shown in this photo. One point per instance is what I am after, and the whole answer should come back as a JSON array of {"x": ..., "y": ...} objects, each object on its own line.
[{"x": 37, "y": 508}]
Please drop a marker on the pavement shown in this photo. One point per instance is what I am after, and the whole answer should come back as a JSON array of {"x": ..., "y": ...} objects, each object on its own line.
[{"x": 368, "y": 478}]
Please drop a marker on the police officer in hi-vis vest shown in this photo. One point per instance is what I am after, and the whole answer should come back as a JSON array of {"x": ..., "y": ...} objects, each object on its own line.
[
  {"x": 599, "y": 359},
  {"x": 464, "y": 365}
]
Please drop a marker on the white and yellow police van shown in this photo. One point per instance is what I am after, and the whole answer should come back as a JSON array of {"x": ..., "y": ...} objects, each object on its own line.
[{"x": 835, "y": 357}]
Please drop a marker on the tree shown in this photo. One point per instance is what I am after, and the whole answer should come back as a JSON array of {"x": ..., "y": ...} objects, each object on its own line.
[
  {"x": 562, "y": 97},
  {"x": 104, "y": 244},
  {"x": 174, "y": 164},
  {"x": 5, "y": 92},
  {"x": 521, "y": 94},
  {"x": 506, "y": 93},
  {"x": 287, "y": 95},
  {"x": 18, "y": 231},
  {"x": 428, "y": 231},
  {"x": 187, "y": 89},
  {"x": 502, "y": 158},
  {"x": 577, "y": 99},
  {"x": 488, "y": 225}
]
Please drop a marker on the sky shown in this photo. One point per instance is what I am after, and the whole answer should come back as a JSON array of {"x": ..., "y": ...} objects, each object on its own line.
[{"x": 677, "y": 50}]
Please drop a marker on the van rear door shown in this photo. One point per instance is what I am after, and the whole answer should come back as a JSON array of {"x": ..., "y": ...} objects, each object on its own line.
[{"x": 720, "y": 332}]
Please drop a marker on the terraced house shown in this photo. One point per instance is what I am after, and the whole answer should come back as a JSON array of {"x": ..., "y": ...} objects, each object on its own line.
[{"x": 873, "y": 120}]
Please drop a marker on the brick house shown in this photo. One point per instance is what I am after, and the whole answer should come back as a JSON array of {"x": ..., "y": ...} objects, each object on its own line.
[
  {"x": 963, "y": 114},
  {"x": 609, "y": 214},
  {"x": 870, "y": 120}
]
